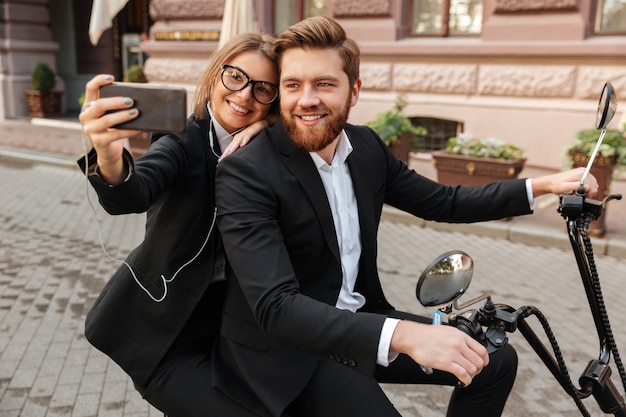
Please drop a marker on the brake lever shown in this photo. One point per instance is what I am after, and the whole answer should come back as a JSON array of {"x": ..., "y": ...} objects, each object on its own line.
[{"x": 572, "y": 205}]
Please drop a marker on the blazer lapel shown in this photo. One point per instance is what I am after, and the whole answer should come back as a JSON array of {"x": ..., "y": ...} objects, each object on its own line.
[
  {"x": 300, "y": 164},
  {"x": 364, "y": 187},
  {"x": 359, "y": 170}
]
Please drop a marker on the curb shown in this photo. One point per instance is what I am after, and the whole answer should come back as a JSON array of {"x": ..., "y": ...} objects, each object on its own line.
[
  {"x": 62, "y": 124},
  {"x": 518, "y": 230},
  {"x": 27, "y": 156}
]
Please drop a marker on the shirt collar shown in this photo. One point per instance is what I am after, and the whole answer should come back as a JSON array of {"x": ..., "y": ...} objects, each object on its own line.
[{"x": 342, "y": 151}]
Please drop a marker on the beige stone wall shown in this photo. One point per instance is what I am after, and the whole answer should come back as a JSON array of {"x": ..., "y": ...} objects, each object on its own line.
[
  {"x": 533, "y": 77},
  {"x": 539, "y": 107}
]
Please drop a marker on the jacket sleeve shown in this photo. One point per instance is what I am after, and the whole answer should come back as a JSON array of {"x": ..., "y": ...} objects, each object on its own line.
[
  {"x": 411, "y": 192},
  {"x": 150, "y": 176}
]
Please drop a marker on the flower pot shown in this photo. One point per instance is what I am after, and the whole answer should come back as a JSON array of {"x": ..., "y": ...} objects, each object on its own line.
[
  {"x": 453, "y": 169},
  {"x": 42, "y": 104},
  {"x": 602, "y": 168},
  {"x": 401, "y": 147}
]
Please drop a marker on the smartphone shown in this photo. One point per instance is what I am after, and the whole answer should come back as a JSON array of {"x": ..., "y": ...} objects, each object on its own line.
[{"x": 162, "y": 108}]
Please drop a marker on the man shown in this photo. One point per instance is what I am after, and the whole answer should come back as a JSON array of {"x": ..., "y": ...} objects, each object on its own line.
[{"x": 306, "y": 325}]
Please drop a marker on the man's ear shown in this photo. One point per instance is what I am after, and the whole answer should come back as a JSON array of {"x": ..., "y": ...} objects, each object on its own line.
[{"x": 355, "y": 91}]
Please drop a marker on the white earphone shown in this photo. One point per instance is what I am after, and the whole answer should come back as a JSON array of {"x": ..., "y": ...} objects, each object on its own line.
[{"x": 163, "y": 278}]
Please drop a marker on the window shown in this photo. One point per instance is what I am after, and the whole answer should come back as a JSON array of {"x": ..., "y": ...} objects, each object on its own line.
[
  {"x": 447, "y": 17},
  {"x": 437, "y": 132},
  {"x": 288, "y": 12},
  {"x": 611, "y": 16}
]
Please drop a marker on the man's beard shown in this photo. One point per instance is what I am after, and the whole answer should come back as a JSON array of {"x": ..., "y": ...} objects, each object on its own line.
[{"x": 315, "y": 138}]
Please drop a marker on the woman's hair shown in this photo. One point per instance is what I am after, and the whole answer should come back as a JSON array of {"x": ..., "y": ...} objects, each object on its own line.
[
  {"x": 245, "y": 42},
  {"x": 321, "y": 32}
]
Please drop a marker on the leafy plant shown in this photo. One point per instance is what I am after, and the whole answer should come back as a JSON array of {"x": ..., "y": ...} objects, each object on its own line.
[
  {"x": 135, "y": 74},
  {"x": 465, "y": 144},
  {"x": 42, "y": 77},
  {"x": 392, "y": 124},
  {"x": 613, "y": 146}
]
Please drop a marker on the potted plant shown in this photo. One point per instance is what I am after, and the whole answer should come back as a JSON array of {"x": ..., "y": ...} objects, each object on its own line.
[
  {"x": 396, "y": 130},
  {"x": 42, "y": 100},
  {"x": 612, "y": 151},
  {"x": 611, "y": 156},
  {"x": 467, "y": 160},
  {"x": 135, "y": 74}
]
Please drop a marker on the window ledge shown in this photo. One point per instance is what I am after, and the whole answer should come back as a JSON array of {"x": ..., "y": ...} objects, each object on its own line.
[{"x": 600, "y": 46}]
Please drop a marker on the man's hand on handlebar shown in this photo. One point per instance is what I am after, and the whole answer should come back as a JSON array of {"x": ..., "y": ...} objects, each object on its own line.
[
  {"x": 441, "y": 347},
  {"x": 563, "y": 182}
]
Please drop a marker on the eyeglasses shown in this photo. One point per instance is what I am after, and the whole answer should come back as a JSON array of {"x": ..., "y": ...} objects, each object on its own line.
[{"x": 235, "y": 79}]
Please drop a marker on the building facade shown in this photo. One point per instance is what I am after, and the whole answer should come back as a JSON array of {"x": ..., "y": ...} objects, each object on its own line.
[{"x": 529, "y": 72}]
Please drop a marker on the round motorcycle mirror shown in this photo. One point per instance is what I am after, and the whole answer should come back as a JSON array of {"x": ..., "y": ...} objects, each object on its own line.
[
  {"x": 445, "y": 279},
  {"x": 606, "y": 110},
  {"x": 606, "y": 106}
]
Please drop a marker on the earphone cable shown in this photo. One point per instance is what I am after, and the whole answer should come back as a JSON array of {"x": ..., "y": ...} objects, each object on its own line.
[{"x": 106, "y": 252}]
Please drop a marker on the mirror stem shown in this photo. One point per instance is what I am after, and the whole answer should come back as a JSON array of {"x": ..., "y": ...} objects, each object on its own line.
[{"x": 581, "y": 189}]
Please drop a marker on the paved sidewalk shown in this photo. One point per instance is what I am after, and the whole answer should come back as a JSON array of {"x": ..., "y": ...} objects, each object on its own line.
[{"x": 52, "y": 267}]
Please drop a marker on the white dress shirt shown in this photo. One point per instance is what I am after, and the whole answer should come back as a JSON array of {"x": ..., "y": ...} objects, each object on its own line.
[{"x": 340, "y": 193}]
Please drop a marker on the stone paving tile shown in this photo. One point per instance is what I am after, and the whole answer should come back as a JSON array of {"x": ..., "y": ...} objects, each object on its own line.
[{"x": 44, "y": 386}]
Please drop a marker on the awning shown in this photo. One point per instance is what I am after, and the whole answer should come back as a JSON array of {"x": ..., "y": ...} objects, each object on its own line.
[
  {"x": 102, "y": 14},
  {"x": 238, "y": 18}
]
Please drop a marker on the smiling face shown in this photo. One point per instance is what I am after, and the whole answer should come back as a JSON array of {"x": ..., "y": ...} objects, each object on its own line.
[
  {"x": 236, "y": 109},
  {"x": 315, "y": 96}
]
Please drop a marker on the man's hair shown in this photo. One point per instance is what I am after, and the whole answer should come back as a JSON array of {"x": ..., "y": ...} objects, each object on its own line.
[
  {"x": 245, "y": 42},
  {"x": 321, "y": 32}
]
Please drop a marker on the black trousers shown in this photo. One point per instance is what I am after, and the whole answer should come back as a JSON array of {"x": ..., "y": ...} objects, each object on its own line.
[
  {"x": 182, "y": 384},
  {"x": 182, "y": 387},
  {"x": 336, "y": 390}
]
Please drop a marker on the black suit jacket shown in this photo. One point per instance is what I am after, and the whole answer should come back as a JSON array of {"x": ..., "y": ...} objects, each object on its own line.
[
  {"x": 174, "y": 183},
  {"x": 277, "y": 227}
]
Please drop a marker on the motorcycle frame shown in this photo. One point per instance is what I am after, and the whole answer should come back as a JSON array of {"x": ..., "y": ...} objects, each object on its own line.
[{"x": 595, "y": 379}]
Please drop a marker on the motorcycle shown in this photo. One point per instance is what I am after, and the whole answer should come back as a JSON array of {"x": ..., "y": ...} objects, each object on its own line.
[{"x": 446, "y": 279}]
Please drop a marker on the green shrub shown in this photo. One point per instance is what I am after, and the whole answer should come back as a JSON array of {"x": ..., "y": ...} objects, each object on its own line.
[
  {"x": 42, "y": 77},
  {"x": 135, "y": 74},
  {"x": 613, "y": 145},
  {"x": 392, "y": 124},
  {"x": 465, "y": 144}
]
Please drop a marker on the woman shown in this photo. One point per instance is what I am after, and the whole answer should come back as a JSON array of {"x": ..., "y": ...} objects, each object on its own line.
[{"x": 158, "y": 315}]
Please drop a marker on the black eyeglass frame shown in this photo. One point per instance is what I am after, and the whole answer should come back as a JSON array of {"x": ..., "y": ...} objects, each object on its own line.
[{"x": 250, "y": 82}]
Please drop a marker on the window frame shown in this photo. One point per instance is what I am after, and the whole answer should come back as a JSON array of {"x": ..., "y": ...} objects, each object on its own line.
[
  {"x": 444, "y": 31},
  {"x": 300, "y": 8},
  {"x": 597, "y": 21}
]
